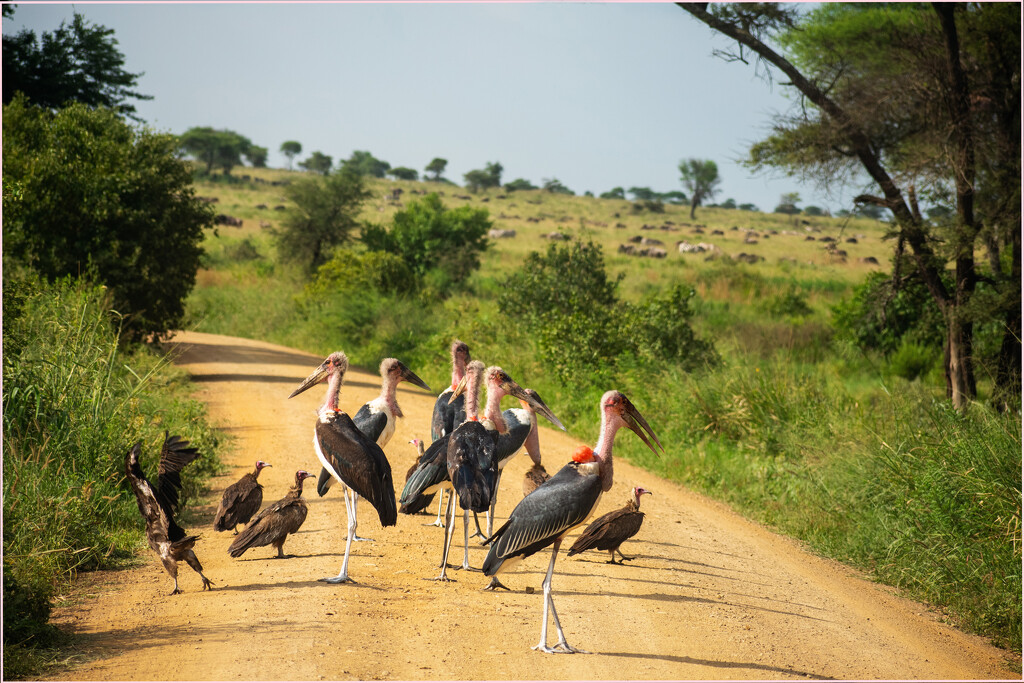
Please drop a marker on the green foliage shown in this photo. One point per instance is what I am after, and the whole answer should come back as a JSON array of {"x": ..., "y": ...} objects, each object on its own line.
[
  {"x": 878, "y": 316},
  {"x": 649, "y": 205},
  {"x": 291, "y": 149},
  {"x": 555, "y": 186},
  {"x": 700, "y": 177},
  {"x": 97, "y": 195},
  {"x": 614, "y": 193},
  {"x": 215, "y": 148},
  {"x": 318, "y": 162},
  {"x": 354, "y": 272},
  {"x": 257, "y": 156},
  {"x": 436, "y": 167},
  {"x": 404, "y": 173},
  {"x": 478, "y": 180},
  {"x": 76, "y": 63},
  {"x": 364, "y": 163},
  {"x": 642, "y": 193},
  {"x": 911, "y": 360},
  {"x": 789, "y": 304},
  {"x": 519, "y": 184},
  {"x": 430, "y": 237},
  {"x": 72, "y": 405},
  {"x": 324, "y": 216},
  {"x": 660, "y": 327}
]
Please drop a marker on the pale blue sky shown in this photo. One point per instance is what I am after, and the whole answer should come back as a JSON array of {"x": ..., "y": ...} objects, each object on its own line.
[{"x": 597, "y": 95}]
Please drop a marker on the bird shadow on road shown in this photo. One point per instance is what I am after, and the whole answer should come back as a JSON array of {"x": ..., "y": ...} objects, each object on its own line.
[
  {"x": 199, "y": 352},
  {"x": 310, "y": 583},
  {"x": 680, "y": 659},
  {"x": 270, "y": 379}
]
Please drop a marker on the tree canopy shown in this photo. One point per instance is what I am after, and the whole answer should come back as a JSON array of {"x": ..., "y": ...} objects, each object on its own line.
[
  {"x": 925, "y": 101},
  {"x": 318, "y": 162},
  {"x": 79, "y": 62},
  {"x": 216, "y": 148},
  {"x": 364, "y": 163},
  {"x": 324, "y": 216},
  {"x": 291, "y": 149},
  {"x": 436, "y": 168},
  {"x": 86, "y": 193},
  {"x": 404, "y": 173},
  {"x": 700, "y": 177}
]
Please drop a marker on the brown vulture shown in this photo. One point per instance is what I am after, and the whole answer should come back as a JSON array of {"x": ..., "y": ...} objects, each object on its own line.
[
  {"x": 273, "y": 524},
  {"x": 240, "y": 501}
]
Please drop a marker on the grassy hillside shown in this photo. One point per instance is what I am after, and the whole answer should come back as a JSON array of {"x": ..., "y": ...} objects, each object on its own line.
[{"x": 812, "y": 435}]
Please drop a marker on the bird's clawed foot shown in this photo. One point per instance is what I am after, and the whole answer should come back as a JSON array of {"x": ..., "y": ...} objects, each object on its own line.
[
  {"x": 360, "y": 538},
  {"x": 561, "y": 648},
  {"x": 337, "y": 579},
  {"x": 436, "y": 522},
  {"x": 207, "y": 584},
  {"x": 468, "y": 568},
  {"x": 176, "y": 591},
  {"x": 495, "y": 585},
  {"x": 441, "y": 577}
]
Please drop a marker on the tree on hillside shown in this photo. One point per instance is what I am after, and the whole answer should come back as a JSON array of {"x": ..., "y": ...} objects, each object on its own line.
[
  {"x": 475, "y": 180},
  {"x": 788, "y": 203},
  {"x": 614, "y": 193},
  {"x": 673, "y": 197},
  {"x": 404, "y": 173},
  {"x": 79, "y": 62},
  {"x": 924, "y": 100},
  {"x": 642, "y": 193},
  {"x": 325, "y": 214},
  {"x": 519, "y": 184},
  {"x": 125, "y": 214},
  {"x": 215, "y": 148},
  {"x": 318, "y": 162},
  {"x": 436, "y": 167},
  {"x": 257, "y": 156},
  {"x": 555, "y": 186},
  {"x": 291, "y": 149},
  {"x": 700, "y": 177},
  {"x": 364, "y": 163}
]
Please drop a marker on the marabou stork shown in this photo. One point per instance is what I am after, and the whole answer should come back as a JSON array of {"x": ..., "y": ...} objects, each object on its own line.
[
  {"x": 449, "y": 414},
  {"x": 157, "y": 505},
  {"x": 564, "y": 502},
  {"x": 275, "y": 522},
  {"x": 376, "y": 420},
  {"x": 431, "y": 473},
  {"x": 521, "y": 424},
  {"x": 349, "y": 455},
  {"x": 477, "y": 449},
  {"x": 240, "y": 501},
  {"x": 611, "y": 530}
]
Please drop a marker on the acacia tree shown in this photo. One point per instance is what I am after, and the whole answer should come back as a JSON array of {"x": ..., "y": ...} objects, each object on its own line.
[
  {"x": 920, "y": 100},
  {"x": 221, "y": 148},
  {"x": 318, "y": 162},
  {"x": 436, "y": 167},
  {"x": 700, "y": 177},
  {"x": 291, "y": 149}
]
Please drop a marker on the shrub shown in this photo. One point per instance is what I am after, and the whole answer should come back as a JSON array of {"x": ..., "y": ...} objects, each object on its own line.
[
  {"x": 96, "y": 195},
  {"x": 878, "y": 316},
  {"x": 428, "y": 236}
]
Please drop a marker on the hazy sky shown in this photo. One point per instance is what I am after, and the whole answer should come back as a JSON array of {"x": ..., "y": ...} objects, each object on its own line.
[{"x": 596, "y": 95}]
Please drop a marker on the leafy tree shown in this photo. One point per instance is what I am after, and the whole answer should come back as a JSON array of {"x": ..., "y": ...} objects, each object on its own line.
[
  {"x": 318, "y": 162},
  {"x": 221, "y": 148},
  {"x": 729, "y": 203},
  {"x": 555, "y": 185},
  {"x": 614, "y": 193},
  {"x": 787, "y": 204},
  {"x": 430, "y": 237},
  {"x": 325, "y": 215},
  {"x": 493, "y": 170},
  {"x": 519, "y": 184},
  {"x": 813, "y": 211},
  {"x": 76, "y": 63},
  {"x": 643, "y": 193},
  {"x": 748, "y": 207},
  {"x": 404, "y": 173},
  {"x": 364, "y": 163},
  {"x": 924, "y": 100},
  {"x": 98, "y": 196},
  {"x": 674, "y": 197},
  {"x": 476, "y": 180},
  {"x": 291, "y": 149},
  {"x": 700, "y": 177},
  {"x": 257, "y": 156},
  {"x": 436, "y": 167}
]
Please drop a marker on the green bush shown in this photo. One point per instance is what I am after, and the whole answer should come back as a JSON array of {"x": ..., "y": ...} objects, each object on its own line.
[
  {"x": 912, "y": 360},
  {"x": 430, "y": 237},
  {"x": 92, "y": 194},
  {"x": 878, "y": 317}
]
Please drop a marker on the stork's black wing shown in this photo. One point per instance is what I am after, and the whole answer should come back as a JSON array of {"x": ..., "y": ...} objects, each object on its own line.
[
  {"x": 431, "y": 470},
  {"x": 370, "y": 423},
  {"x": 360, "y": 463},
  {"x": 558, "y": 505},
  {"x": 519, "y": 424},
  {"x": 472, "y": 466},
  {"x": 447, "y": 416}
]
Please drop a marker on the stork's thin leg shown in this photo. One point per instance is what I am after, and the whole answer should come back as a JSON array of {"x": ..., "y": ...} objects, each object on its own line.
[
  {"x": 494, "y": 503},
  {"x": 443, "y": 576},
  {"x": 355, "y": 537},
  {"x": 495, "y": 585},
  {"x": 343, "y": 576},
  {"x": 440, "y": 506},
  {"x": 479, "y": 531},
  {"x": 465, "y": 542},
  {"x": 562, "y": 646}
]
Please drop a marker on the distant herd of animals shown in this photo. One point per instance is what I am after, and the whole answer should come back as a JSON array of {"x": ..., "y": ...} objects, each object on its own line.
[{"x": 465, "y": 460}]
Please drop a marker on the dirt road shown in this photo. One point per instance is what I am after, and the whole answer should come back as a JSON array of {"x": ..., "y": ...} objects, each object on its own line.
[{"x": 709, "y": 595}]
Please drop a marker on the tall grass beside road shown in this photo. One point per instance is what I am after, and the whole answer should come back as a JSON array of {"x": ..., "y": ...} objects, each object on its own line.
[{"x": 73, "y": 403}]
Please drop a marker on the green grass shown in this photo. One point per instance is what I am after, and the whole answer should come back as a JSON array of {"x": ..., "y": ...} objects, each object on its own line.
[
  {"x": 73, "y": 405},
  {"x": 795, "y": 428}
]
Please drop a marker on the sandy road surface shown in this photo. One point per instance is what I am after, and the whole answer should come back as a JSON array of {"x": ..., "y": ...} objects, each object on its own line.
[{"x": 709, "y": 595}]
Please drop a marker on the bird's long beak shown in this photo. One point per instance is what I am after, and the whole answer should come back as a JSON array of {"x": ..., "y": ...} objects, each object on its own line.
[
  {"x": 460, "y": 388},
  {"x": 535, "y": 401},
  {"x": 636, "y": 422},
  {"x": 319, "y": 375},
  {"x": 410, "y": 377}
]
